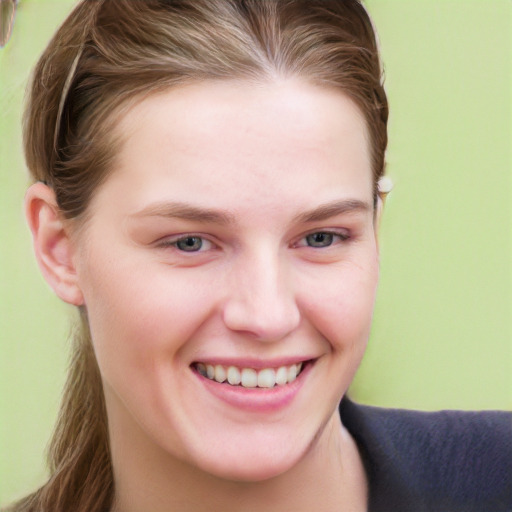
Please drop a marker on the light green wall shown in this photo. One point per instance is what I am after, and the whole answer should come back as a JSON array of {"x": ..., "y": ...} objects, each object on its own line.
[
  {"x": 33, "y": 323},
  {"x": 443, "y": 330},
  {"x": 443, "y": 327}
]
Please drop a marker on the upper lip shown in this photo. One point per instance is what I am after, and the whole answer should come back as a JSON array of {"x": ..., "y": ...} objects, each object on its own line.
[{"x": 253, "y": 362}]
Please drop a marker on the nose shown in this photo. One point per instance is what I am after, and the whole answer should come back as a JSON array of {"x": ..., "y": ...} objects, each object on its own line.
[{"x": 261, "y": 299}]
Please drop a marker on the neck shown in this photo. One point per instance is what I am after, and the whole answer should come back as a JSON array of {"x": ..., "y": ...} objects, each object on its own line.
[{"x": 329, "y": 477}]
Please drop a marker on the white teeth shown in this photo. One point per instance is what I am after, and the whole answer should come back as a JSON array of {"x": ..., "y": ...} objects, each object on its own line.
[
  {"x": 292, "y": 373},
  {"x": 282, "y": 376},
  {"x": 266, "y": 378},
  {"x": 234, "y": 377},
  {"x": 220, "y": 373},
  {"x": 249, "y": 377}
]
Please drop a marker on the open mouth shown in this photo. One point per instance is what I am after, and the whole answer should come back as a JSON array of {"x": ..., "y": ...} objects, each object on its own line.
[{"x": 250, "y": 377}]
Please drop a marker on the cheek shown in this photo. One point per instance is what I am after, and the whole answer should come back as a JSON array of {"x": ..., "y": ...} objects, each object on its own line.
[
  {"x": 342, "y": 308},
  {"x": 140, "y": 313}
]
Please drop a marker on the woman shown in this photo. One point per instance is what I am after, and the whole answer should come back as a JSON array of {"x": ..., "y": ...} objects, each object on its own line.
[{"x": 207, "y": 194}]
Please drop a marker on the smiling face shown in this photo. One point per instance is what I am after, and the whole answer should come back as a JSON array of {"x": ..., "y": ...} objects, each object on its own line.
[{"x": 233, "y": 240}]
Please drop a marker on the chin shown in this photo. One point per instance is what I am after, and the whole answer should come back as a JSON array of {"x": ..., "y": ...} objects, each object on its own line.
[
  {"x": 253, "y": 465},
  {"x": 264, "y": 468}
]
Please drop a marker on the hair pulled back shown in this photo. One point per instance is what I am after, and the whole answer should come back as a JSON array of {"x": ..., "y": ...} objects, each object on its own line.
[{"x": 109, "y": 54}]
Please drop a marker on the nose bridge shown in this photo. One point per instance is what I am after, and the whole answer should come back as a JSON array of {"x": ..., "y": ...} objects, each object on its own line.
[{"x": 261, "y": 298}]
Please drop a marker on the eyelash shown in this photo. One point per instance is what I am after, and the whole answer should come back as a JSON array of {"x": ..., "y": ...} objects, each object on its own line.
[
  {"x": 343, "y": 236},
  {"x": 175, "y": 241}
]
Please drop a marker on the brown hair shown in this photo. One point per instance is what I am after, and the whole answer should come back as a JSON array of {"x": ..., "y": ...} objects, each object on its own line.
[{"x": 110, "y": 53}]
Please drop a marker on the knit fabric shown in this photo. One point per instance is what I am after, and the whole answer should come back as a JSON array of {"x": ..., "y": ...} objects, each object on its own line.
[{"x": 447, "y": 461}]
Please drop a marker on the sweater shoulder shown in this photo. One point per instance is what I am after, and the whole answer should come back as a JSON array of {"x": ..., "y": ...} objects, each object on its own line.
[{"x": 447, "y": 460}]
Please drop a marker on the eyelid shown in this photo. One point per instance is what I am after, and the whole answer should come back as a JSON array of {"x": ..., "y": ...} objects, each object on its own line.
[
  {"x": 344, "y": 235},
  {"x": 172, "y": 240}
]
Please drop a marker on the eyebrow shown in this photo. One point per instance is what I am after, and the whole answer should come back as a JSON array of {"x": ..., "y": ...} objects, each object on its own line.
[
  {"x": 186, "y": 211},
  {"x": 189, "y": 212},
  {"x": 333, "y": 209}
]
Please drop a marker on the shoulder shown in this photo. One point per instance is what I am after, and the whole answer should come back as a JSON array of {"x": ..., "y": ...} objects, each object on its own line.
[{"x": 431, "y": 461}]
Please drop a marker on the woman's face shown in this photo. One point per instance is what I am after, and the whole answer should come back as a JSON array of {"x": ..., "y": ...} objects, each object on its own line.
[{"x": 233, "y": 240}]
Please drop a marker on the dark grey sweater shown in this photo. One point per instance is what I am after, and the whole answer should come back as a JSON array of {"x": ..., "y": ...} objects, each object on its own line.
[{"x": 447, "y": 461}]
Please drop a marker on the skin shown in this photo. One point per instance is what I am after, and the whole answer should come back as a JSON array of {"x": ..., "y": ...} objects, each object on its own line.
[{"x": 257, "y": 157}]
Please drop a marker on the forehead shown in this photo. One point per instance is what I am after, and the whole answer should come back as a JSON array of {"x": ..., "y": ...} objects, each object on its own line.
[{"x": 235, "y": 139}]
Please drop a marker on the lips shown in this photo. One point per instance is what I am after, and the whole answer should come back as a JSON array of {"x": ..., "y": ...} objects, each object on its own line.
[
  {"x": 248, "y": 377},
  {"x": 257, "y": 387}
]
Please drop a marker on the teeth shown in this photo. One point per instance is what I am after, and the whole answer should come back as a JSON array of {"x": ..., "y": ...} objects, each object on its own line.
[
  {"x": 220, "y": 373},
  {"x": 249, "y": 377},
  {"x": 201, "y": 368},
  {"x": 234, "y": 377},
  {"x": 266, "y": 378},
  {"x": 281, "y": 376},
  {"x": 292, "y": 373}
]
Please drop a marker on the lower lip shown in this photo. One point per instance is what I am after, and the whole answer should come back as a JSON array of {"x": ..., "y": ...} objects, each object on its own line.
[{"x": 262, "y": 400}]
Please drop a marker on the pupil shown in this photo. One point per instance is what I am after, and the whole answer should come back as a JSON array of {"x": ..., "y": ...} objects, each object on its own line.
[
  {"x": 320, "y": 239},
  {"x": 191, "y": 243}
]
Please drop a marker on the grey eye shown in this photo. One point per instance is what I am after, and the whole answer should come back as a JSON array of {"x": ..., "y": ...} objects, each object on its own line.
[
  {"x": 7, "y": 14},
  {"x": 189, "y": 243},
  {"x": 320, "y": 239}
]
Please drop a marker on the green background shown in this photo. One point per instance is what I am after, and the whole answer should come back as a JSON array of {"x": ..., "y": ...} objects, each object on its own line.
[{"x": 443, "y": 324}]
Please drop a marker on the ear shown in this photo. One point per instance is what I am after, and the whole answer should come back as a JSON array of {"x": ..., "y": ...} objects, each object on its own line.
[{"x": 52, "y": 244}]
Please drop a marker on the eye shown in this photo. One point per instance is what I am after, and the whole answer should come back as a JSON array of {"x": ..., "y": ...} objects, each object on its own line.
[
  {"x": 188, "y": 243},
  {"x": 320, "y": 239}
]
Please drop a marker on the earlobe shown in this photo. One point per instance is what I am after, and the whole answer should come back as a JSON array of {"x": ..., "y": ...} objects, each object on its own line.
[{"x": 52, "y": 244}]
